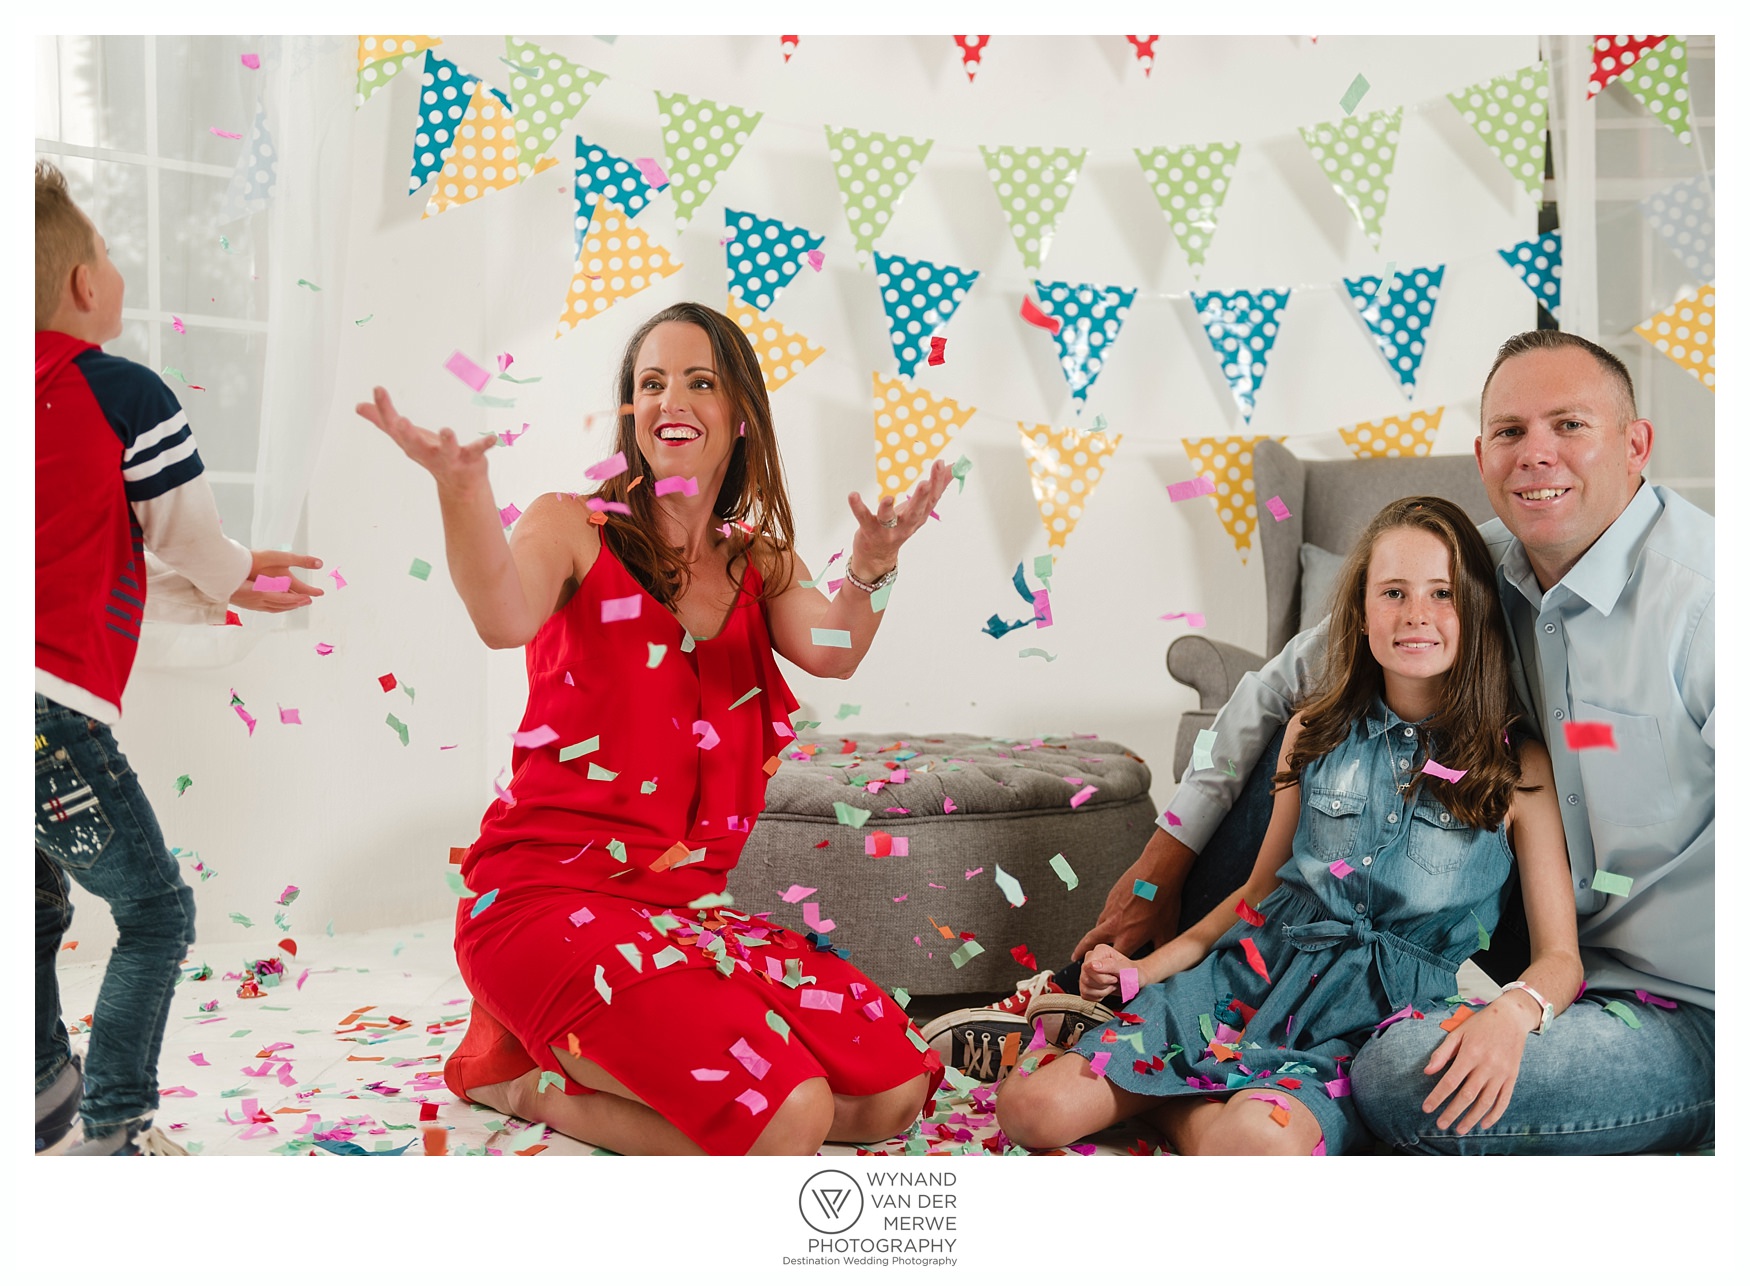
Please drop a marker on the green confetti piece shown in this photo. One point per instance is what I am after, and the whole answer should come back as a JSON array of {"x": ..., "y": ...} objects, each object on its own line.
[
  {"x": 500, "y": 403},
  {"x": 878, "y": 600},
  {"x": 312, "y": 285},
  {"x": 849, "y": 816},
  {"x": 634, "y": 956},
  {"x": 330, "y": 929},
  {"x": 793, "y": 975},
  {"x": 411, "y": 694},
  {"x": 845, "y": 712},
  {"x": 1201, "y": 749},
  {"x": 1611, "y": 882},
  {"x": 776, "y": 1022},
  {"x": 1361, "y": 168},
  {"x": 1037, "y": 651},
  {"x": 1206, "y": 1027},
  {"x": 960, "y": 469},
  {"x": 911, "y": 1034},
  {"x": 966, "y": 951},
  {"x": 688, "y": 642},
  {"x": 457, "y": 886},
  {"x": 598, "y": 773},
  {"x": 183, "y": 783},
  {"x": 527, "y": 379},
  {"x": 421, "y": 570},
  {"x": 577, "y": 749},
  {"x": 1660, "y": 79},
  {"x": 669, "y": 955},
  {"x": 1061, "y": 865},
  {"x": 553, "y": 1079},
  {"x": 873, "y": 171},
  {"x": 175, "y": 373},
  {"x": 802, "y": 725},
  {"x": 1623, "y": 1012},
  {"x": 237, "y": 917},
  {"x": 1042, "y": 568},
  {"x": 1135, "y": 1040},
  {"x": 603, "y": 1152},
  {"x": 915, "y": 1146},
  {"x": 1144, "y": 890},
  {"x": 657, "y": 652},
  {"x": 360, "y": 321},
  {"x": 279, "y": 919},
  {"x": 745, "y": 697},
  {"x": 1033, "y": 186},
  {"x": 398, "y": 948},
  {"x": 1482, "y": 933},
  {"x": 225, "y": 245},
  {"x": 617, "y": 849},
  {"x": 1510, "y": 114},
  {"x": 400, "y": 728},
  {"x": 901, "y": 996},
  {"x": 1100, "y": 425},
  {"x": 1010, "y": 886},
  {"x": 647, "y": 788},
  {"x": 830, "y": 638},
  {"x": 701, "y": 139},
  {"x": 707, "y": 900},
  {"x": 1354, "y": 94}
]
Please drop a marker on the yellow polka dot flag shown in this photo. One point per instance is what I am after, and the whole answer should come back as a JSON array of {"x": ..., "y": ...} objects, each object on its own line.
[
  {"x": 484, "y": 156},
  {"x": 783, "y": 353},
  {"x": 912, "y": 427},
  {"x": 617, "y": 261},
  {"x": 381, "y": 57},
  {"x": 1229, "y": 462},
  {"x": 1684, "y": 332},
  {"x": 1066, "y": 465},
  {"x": 1395, "y": 435}
]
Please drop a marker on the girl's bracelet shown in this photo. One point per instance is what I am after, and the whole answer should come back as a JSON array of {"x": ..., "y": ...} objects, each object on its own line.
[{"x": 868, "y": 587}]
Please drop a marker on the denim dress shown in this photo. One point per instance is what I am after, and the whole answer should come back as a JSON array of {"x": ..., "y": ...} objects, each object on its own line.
[{"x": 1383, "y": 899}]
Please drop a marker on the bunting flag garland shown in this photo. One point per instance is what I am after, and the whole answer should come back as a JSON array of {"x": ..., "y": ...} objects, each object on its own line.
[
  {"x": 788, "y": 45},
  {"x": 444, "y": 95},
  {"x": 971, "y": 54},
  {"x": 1684, "y": 332},
  {"x": 1395, "y": 435},
  {"x": 1539, "y": 265},
  {"x": 256, "y": 177},
  {"x": 1683, "y": 214},
  {"x": 617, "y": 261},
  {"x": 702, "y": 138},
  {"x": 1511, "y": 114},
  {"x": 1613, "y": 55},
  {"x": 1034, "y": 186},
  {"x": 1066, "y": 465},
  {"x": 1092, "y": 317},
  {"x": 1660, "y": 79},
  {"x": 485, "y": 157},
  {"x": 1397, "y": 322},
  {"x": 381, "y": 57},
  {"x": 1145, "y": 51},
  {"x": 912, "y": 427},
  {"x": 874, "y": 171},
  {"x": 602, "y": 176},
  {"x": 1229, "y": 462},
  {"x": 1357, "y": 156},
  {"x": 782, "y": 352},
  {"x": 545, "y": 96},
  {"x": 1190, "y": 183},
  {"x": 1242, "y": 329},
  {"x": 764, "y": 255},
  {"x": 920, "y": 297}
]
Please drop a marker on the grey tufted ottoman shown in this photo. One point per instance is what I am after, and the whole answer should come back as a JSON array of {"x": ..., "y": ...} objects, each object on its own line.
[{"x": 1011, "y": 806}]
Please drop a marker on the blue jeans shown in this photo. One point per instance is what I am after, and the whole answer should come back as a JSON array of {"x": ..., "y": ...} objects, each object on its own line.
[
  {"x": 1591, "y": 1085},
  {"x": 94, "y": 825}
]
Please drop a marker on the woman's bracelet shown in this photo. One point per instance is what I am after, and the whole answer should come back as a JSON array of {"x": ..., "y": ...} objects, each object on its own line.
[{"x": 867, "y": 587}]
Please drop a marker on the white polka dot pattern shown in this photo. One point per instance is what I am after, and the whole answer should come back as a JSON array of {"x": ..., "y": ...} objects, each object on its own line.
[
  {"x": 444, "y": 95},
  {"x": 545, "y": 96},
  {"x": 380, "y": 57},
  {"x": 700, "y": 139},
  {"x": 602, "y": 176},
  {"x": 1092, "y": 316},
  {"x": 782, "y": 352},
  {"x": 920, "y": 297},
  {"x": 1684, "y": 332},
  {"x": 1613, "y": 55},
  {"x": 763, "y": 255},
  {"x": 912, "y": 427},
  {"x": 484, "y": 157},
  {"x": 1683, "y": 214},
  {"x": 1660, "y": 79},
  {"x": 1229, "y": 462},
  {"x": 618, "y": 261},
  {"x": 1066, "y": 466},
  {"x": 1190, "y": 183},
  {"x": 1242, "y": 329},
  {"x": 1034, "y": 185},
  {"x": 1395, "y": 435},
  {"x": 256, "y": 177},
  {"x": 1538, "y": 263},
  {"x": 1511, "y": 113},
  {"x": 1398, "y": 321},
  {"x": 873, "y": 171},
  {"x": 1357, "y": 156}
]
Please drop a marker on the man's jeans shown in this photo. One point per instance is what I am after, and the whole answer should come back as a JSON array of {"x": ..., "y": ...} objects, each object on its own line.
[{"x": 94, "y": 824}]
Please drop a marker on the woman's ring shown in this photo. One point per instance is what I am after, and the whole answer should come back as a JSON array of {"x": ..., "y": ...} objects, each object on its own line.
[{"x": 891, "y": 522}]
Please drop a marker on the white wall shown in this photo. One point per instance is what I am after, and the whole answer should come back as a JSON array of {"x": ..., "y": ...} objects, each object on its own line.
[{"x": 362, "y": 825}]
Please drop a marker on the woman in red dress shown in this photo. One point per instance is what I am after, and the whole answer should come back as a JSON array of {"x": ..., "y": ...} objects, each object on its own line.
[{"x": 617, "y": 997}]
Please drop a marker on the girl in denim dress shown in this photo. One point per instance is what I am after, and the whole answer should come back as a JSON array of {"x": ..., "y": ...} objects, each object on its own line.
[{"x": 1405, "y": 792}]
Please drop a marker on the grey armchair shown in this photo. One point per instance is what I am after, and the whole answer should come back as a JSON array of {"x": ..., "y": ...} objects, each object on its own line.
[{"x": 1329, "y": 502}]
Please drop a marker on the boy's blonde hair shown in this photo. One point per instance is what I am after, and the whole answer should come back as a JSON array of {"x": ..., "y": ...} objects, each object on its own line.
[{"x": 64, "y": 240}]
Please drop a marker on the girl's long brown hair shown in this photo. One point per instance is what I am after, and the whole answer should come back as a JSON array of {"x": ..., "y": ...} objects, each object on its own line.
[
  {"x": 1477, "y": 707},
  {"x": 752, "y": 493}
]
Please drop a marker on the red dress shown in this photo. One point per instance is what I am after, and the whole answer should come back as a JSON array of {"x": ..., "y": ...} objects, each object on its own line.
[{"x": 580, "y": 935}]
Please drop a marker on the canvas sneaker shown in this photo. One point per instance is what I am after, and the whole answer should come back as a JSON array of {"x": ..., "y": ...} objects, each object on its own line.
[
  {"x": 138, "y": 1138},
  {"x": 1065, "y": 1018},
  {"x": 57, "y": 1107},
  {"x": 972, "y": 1040}
]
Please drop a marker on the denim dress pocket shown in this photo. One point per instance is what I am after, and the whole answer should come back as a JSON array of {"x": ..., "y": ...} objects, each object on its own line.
[
  {"x": 1331, "y": 820},
  {"x": 1433, "y": 846},
  {"x": 71, "y": 824}
]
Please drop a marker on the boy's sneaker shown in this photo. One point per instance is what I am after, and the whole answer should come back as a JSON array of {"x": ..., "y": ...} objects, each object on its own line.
[
  {"x": 972, "y": 1040},
  {"x": 1040, "y": 984},
  {"x": 1065, "y": 1018},
  {"x": 57, "y": 1106},
  {"x": 131, "y": 1139}
]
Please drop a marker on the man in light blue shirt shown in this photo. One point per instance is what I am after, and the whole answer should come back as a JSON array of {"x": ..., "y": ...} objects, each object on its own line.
[{"x": 1608, "y": 586}]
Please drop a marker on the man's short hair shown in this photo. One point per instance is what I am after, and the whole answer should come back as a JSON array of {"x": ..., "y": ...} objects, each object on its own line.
[
  {"x": 1548, "y": 340},
  {"x": 64, "y": 240}
]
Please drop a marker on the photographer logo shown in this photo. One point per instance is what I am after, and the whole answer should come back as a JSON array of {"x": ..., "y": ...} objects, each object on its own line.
[{"x": 831, "y": 1202}]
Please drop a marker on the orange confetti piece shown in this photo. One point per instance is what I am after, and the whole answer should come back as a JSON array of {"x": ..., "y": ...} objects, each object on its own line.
[
  {"x": 571, "y": 1044},
  {"x": 68, "y": 946},
  {"x": 677, "y": 852},
  {"x": 1279, "y": 1114},
  {"x": 1011, "y": 1048},
  {"x": 942, "y": 929},
  {"x": 1459, "y": 1018},
  {"x": 456, "y": 856},
  {"x": 771, "y": 765},
  {"x": 437, "y": 1140},
  {"x": 1221, "y": 1053},
  {"x": 532, "y": 1151}
]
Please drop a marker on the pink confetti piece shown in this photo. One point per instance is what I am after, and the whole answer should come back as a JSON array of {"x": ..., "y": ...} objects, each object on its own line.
[
  {"x": 176, "y": 324},
  {"x": 608, "y": 506},
  {"x": 337, "y": 578},
  {"x": 901, "y": 846},
  {"x": 1193, "y": 619},
  {"x": 820, "y": 998},
  {"x": 1038, "y": 1041},
  {"x": 1338, "y": 1088},
  {"x": 1172, "y": 818},
  {"x": 748, "y": 1057},
  {"x": 1041, "y": 609},
  {"x": 1082, "y": 796},
  {"x": 1202, "y": 485},
  {"x": 782, "y": 729},
  {"x": 709, "y": 1073},
  {"x": 1128, "y": 984},
  {"x": 222, "y": 133},
  {"x": 467, "y": 370},
  {"x": 199, "y": 1060},
  {"x": 532, "y": 737},
  {"x": 1408, "y": 1011},
  {"x": 251, "y": 61},
  {"x": 612, "y": 467},
  {"x": 509, "y": 514},
  {"x": 1097, "y": 1064},
  {"x": 653, "y": 173},
  {"x": 247, "y": 718},
  {"x": 1441, "y": 770},
  {"x": 706, "y": 734},
  {"x": 795, "y": 893},
  {"x": 1319, "y": 1147},
  {"x": 752, "y": 1100},
  {"x": 1278, "y": 510},
  {"x": 726, "y": 238},
  {"x": 873, "y": 1010},
  {"x": 272, "y": 584},
  {"x": 948, "y": 804},
  {"x": 300, "y": 982},
  {"x": 289, "y": 715},
  {"x": 505, "y": 362},
  {"x": 179, "y": 1091},
  {"x": 622, "y": 609},
  {"x": 668, "y": 486},
  {"x": 502, "y": 792},
  {"x": 977, "y": 870},
  {"x": 285, "y": 1075},
  {"x": 1340, "y": 868},
  {"x": 815, "y": 259},
  {"x": 811, "y": 917},
  {"x": 324, "y": 649},
  {"x": 1648, "y": 998}
]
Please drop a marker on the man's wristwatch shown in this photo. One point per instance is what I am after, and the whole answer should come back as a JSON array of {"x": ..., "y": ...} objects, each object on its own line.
[{"x": 1545, "y": 1018}]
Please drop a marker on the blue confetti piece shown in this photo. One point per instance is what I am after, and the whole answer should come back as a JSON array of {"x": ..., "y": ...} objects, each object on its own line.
[
  {"x": 920, "y": 297},
  {"x": 1144, "y": 890},
  {"x": 1538, "y": 263},
  {"x": 485, "y": 900},
  {"x": 764, "y": 256},
  {"x": 1242, "y": 329},
  {"x": 1092, "y": 316},
  {"x": 1398, "y": 321}
]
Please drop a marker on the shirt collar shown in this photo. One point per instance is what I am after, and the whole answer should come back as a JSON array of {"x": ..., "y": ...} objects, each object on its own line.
[
  {"x": 1381, "y": 718},
  {"x": 1603, "y": 570}
]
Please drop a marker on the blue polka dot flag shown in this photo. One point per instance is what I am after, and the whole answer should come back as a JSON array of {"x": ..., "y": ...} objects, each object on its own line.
[
  {"x": 257, "y": 173},
  {"x": 764, "y": 255},
  {"x": 1092, "y": 317},
  {"x": 603, "y": 176},
  {"x": 1398, "y": 321},
  {"x": 1539, "y": 265},
  {"x": 443, "y": 96},
  {"x": 919, "y": 297},
  {"x": 1242, "y": 329}
]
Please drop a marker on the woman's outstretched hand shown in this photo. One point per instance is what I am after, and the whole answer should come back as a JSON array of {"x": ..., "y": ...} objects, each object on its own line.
[
  {"x": 881, "y": 533},
  {"x": 458, "y": 469}
]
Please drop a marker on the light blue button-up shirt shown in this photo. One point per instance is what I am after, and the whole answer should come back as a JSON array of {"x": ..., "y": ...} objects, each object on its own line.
[{"x": 1625, "y": 638}]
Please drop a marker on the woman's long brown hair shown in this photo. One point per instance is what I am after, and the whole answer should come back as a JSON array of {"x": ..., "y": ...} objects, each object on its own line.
[
  {"x": 752, "y": 493},
  {"x": 1477, "y": 707}
]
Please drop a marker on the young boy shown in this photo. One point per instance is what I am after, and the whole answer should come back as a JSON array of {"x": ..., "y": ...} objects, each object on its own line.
[{"x": 117, "y": 474}]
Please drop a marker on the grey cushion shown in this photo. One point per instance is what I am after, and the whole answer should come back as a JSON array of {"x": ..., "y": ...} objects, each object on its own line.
[
  {"x": 1318, "y": 576},
  {"x": 1011, "y": 806}
]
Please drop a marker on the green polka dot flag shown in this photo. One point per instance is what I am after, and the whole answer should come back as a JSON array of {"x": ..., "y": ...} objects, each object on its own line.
[
  {"x": 380, "y": 57},
  {"x": 701, "y": 139},
  {"x": 1660, "y": 79},
  {"x": 1034, "y": 186},
  {"x": 1357, "y": 156},
  {"x": 873, "y": 171},
  {"x": 1510, "y": 113},
  {"x": 544, "y": 96},
  {"x": 1190, "y": 183}
]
